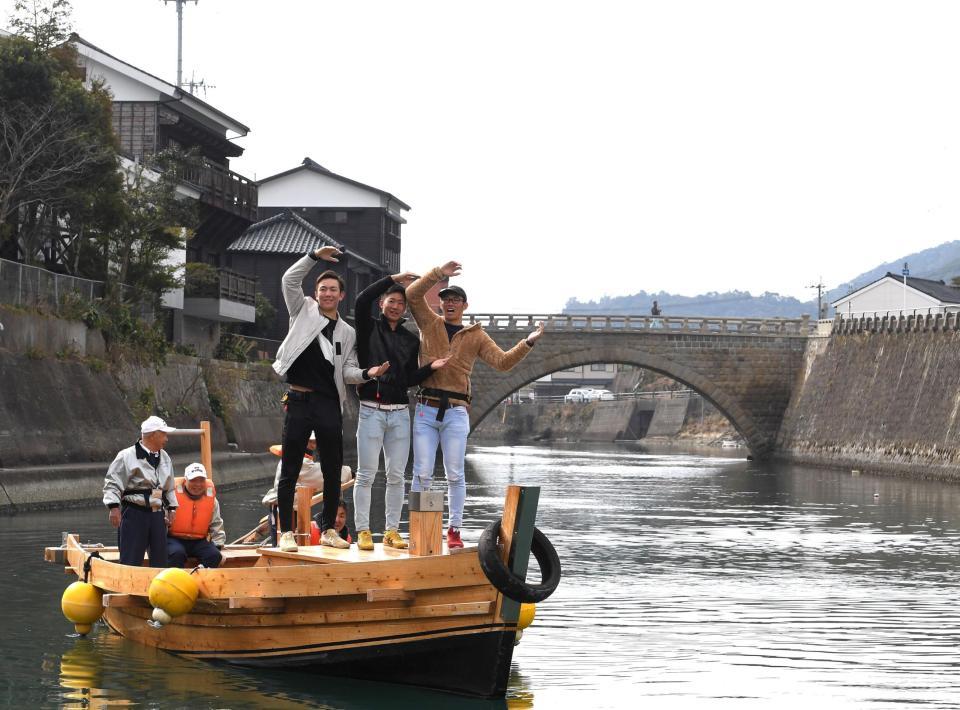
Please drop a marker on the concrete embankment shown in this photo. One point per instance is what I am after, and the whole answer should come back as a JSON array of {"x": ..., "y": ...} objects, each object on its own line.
[
  {"x": 884, "y": 400},
  {"x": 65, "y": 410}
]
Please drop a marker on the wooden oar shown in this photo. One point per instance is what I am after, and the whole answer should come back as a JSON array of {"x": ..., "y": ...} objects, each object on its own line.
[{"x": 264, "y": 525}]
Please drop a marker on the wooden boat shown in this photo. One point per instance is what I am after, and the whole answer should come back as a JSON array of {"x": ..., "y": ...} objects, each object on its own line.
[{"x": 430, "y": 620}]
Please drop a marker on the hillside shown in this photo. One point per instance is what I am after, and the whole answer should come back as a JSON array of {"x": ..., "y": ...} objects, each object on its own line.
[{"x": 940, "y": 262}]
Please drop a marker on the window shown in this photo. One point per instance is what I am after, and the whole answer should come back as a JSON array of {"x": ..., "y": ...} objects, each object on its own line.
[{"x": 598, "y": 367}]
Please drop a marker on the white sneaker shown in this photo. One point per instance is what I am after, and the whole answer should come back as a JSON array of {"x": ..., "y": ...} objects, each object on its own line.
[
  {"x": 288, "y": 542},
  {"x": 330, "y": 538}
]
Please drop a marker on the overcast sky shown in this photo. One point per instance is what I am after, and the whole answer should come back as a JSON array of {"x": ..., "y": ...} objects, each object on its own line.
[{"x": 585, "y": 149}]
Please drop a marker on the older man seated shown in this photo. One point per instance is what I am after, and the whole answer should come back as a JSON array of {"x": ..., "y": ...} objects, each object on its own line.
[{"x": 197, "y": 531}]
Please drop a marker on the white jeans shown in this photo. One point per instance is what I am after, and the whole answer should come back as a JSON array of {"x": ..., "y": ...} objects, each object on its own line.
[
  {"x": 451, "y": 436},
  {"x": 390, "y": 431}
]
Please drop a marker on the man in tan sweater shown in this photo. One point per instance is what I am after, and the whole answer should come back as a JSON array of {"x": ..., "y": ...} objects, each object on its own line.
[{"x": 442, "y": 417}]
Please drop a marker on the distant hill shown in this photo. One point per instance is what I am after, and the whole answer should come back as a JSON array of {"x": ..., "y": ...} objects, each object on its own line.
[{"x": 940, "y": 262}]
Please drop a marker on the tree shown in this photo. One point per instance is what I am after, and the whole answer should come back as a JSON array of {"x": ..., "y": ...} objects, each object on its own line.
[{"x": 58, "y": 153}]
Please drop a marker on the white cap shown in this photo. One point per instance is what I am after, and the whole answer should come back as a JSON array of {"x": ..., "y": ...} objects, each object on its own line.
[
  {"x": 152, "y": 424},
  {"x": 195, "y": 470}
]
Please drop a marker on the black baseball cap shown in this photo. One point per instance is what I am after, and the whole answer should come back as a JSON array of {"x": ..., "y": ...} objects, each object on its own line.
[{"x": 453, "y": 291}]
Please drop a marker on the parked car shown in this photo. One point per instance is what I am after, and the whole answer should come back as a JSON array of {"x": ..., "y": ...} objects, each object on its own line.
[
  {"x": 600, "y": 395},
  {"x": 578, "y": 394}
]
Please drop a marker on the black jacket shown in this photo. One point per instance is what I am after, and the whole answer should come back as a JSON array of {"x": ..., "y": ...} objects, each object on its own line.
[{"x": 377, "y": 343}]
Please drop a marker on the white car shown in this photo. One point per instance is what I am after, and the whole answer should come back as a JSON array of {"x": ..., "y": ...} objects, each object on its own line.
[
  {"x": 600, "y": 395},
  {"x": 579, "y": 394}
]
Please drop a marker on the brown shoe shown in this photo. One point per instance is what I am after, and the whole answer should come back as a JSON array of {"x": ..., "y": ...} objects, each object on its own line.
[{"x": 391, "y": 538}]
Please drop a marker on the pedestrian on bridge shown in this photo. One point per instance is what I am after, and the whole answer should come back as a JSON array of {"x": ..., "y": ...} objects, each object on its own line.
[{"x": 442, "y": 417}]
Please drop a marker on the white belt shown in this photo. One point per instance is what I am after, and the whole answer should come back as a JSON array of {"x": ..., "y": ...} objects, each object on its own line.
[{"x": 387, "y": 407}]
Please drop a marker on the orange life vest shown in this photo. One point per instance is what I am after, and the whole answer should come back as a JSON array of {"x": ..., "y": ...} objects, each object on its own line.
[{"x": 193, "y": 516}]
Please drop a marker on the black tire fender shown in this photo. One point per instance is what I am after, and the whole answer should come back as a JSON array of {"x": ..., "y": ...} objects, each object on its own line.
[{"x": 509, "y": 584}]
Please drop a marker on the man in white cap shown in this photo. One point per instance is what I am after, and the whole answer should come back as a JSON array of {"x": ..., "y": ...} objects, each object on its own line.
[
  {"x": 197, "y": 530},
  {"x": 137, "y": 488}
]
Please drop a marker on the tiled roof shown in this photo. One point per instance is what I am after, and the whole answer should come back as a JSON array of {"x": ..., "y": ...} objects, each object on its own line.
[
  {"x": 938, "y": 289},
  {"x": 284, "y": 233}
]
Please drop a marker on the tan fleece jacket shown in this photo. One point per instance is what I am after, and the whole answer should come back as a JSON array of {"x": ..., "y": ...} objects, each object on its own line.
[{"x": 463, "y": 349}]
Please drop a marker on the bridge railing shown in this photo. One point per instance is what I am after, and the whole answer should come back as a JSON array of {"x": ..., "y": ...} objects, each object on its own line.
[{"x": 657, "y": 324}]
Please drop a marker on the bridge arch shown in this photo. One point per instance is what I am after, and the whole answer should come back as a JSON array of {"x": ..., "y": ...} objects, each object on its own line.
[
  {"x": 747, "y": 367},
  {"x": 502, "y": 385}
]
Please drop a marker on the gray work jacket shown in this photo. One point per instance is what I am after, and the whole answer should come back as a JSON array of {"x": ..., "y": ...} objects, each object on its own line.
[{"x": 127, "y": 472}]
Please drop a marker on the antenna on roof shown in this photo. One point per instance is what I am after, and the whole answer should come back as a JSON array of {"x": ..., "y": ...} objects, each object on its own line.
[
  {"x": 198, "y": 84},
  {"x": 180, "y": 38}
]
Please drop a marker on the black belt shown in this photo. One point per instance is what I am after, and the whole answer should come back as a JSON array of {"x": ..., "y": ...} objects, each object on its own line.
[
  {"x": 443, "y": 396},
  {"x": 145, "y": 492}
]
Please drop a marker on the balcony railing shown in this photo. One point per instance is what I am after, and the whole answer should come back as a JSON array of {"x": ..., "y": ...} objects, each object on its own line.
[
  {"x": 229, "y": 285},
  {"x": 223, "y": 188}
]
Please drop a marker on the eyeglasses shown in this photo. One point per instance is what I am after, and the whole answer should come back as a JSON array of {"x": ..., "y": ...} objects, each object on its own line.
[{"x": 451, "y": 299}]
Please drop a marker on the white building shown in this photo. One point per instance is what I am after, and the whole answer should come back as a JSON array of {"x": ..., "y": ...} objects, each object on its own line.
[{"x": 895, "y": 295}]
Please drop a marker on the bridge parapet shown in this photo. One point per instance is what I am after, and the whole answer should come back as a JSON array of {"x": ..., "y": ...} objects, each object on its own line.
[{"x": 666, "y": 325}]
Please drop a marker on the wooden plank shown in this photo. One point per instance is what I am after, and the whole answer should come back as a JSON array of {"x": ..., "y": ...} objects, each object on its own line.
[
  {"x": 55, "y": 554},
  {"x": 125, "y": 601},
  {"x": 260, "y": 603},
  {"x": 507, "y": 527},
  {"x": 389, "y": 595}
]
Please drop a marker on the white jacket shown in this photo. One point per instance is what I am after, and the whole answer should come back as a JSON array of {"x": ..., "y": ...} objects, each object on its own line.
[{"x": 307, "y": 323}]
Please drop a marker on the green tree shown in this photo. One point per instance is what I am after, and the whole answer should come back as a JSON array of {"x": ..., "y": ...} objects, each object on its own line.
[{"x": 58, "y": 157}]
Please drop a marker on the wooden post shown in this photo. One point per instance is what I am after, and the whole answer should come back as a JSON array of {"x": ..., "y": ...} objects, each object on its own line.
[
  {"x": 304, "y": 501},
  {"x": 206, "y": 445},
  {"x": 516, "y": 537},
  {"x": 426, "y": 523}
]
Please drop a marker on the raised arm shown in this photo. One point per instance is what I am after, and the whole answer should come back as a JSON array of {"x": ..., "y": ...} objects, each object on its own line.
[
  {"x": 292, "y": 281},
  {"x": 496, "y": 358},
  {"x": 417, "y": 291}
]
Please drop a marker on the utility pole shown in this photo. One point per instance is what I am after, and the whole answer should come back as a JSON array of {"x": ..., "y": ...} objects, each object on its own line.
[
  {"x": 819, "y": 287},
  {"x": 180, "y": 37},
  {"x": 906, "y": 273}
]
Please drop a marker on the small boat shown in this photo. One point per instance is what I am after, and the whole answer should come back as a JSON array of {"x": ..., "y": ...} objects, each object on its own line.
[{"x": 428, "y": 616}]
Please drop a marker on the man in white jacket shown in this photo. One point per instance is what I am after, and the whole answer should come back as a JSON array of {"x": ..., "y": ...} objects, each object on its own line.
[{"x": 318, "y": 358}]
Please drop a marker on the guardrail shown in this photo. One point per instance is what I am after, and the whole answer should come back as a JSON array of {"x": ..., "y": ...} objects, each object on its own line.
[
  {"x": 654, "y": 324},
  {"x": 610, "y": 396}
]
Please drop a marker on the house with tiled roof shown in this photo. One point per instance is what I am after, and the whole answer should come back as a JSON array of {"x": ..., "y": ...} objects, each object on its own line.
[
  {"x": 893, "y": 294},
  {"x": 367, "y": 219},
  {"x": 270, "y": 246}
]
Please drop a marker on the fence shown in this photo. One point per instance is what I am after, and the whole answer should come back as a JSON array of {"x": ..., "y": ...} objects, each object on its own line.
[{"x": 36, "y": 288}]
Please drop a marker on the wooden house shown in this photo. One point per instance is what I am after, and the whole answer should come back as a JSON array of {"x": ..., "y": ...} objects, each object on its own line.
[{"x": 150, "y": 115}]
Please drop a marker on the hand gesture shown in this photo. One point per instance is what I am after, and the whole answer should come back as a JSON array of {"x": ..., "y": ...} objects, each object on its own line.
[
  {"x": 437, "y": 364},
  {"x": 114, "y": 517},
  {"x": 535, "y": 335},
  {"x": 378, "y": 370},
  {"x": 451, "y": 268},
  {"x": 328, "y": 253},
  {"x": 405, "y": 279}
]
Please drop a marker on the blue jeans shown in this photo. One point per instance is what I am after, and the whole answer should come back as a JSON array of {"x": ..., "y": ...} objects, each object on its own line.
[
  {"x": 390, "y": 431},
  {"x": 451, "y": 435}
]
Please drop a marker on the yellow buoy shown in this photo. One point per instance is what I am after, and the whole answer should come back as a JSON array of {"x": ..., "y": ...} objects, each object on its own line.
[
  {"x": 82, "y": 603},
  {"x": 173, "y": 591},
  {"x": 527, "y": 612}
]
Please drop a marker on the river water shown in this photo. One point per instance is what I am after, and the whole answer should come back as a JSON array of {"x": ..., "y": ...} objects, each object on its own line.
[{"x": 690, "y": 580}]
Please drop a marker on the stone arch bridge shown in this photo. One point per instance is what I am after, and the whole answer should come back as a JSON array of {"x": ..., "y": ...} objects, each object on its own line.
[{"x": 747, "y": 367}]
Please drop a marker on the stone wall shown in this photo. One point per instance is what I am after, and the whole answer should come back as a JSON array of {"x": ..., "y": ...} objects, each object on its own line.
[{"x": 883, "y": 397}]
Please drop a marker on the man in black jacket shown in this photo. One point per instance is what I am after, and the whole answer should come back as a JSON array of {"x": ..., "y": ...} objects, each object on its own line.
[{"x": 384, "y": 406}]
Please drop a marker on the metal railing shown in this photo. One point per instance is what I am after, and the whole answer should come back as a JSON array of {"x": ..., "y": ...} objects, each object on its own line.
[
  {"x": 655, "y": 324},
  {"x": 618, "y": 396},
  {"x": 37, "y": 288}
]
